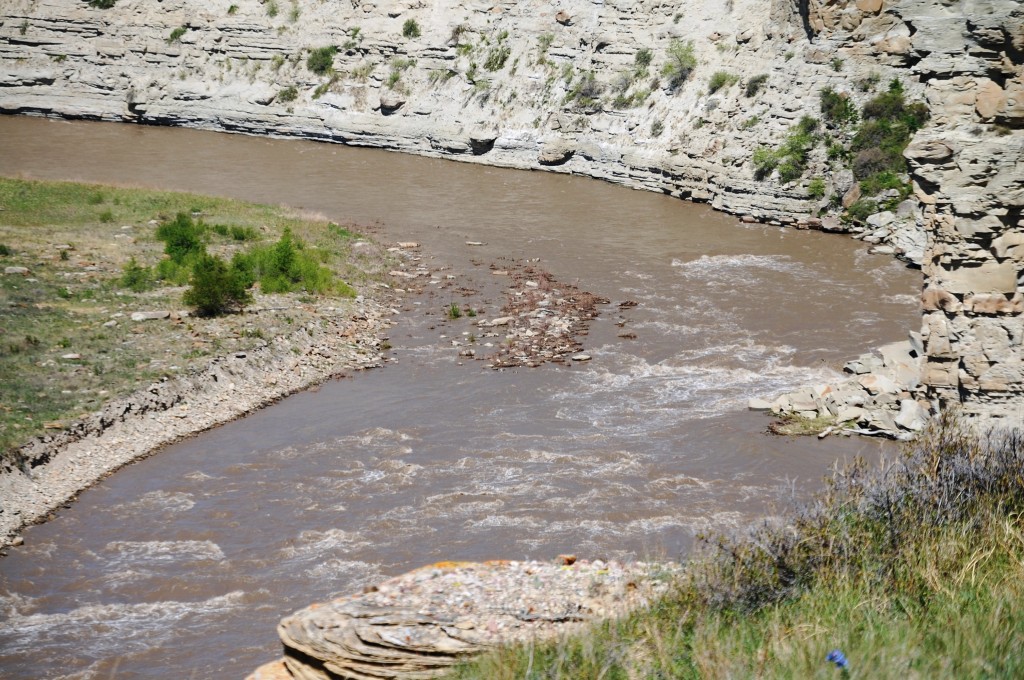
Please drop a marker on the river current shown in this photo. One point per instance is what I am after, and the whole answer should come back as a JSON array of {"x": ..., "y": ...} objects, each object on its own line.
[{"x": 181, "y": 565}]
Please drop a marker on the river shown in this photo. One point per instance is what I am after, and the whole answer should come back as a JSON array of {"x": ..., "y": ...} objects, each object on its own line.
[{"x": 182, "y": 564}]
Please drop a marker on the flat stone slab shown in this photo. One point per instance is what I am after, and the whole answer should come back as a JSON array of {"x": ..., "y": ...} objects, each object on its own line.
[{"x": 422, "y": 623}]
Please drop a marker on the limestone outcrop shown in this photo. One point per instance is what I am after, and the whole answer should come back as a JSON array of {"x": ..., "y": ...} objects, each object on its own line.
[
  {"x": 420, "y": 624},
  {"x": 604, "y": 89}
]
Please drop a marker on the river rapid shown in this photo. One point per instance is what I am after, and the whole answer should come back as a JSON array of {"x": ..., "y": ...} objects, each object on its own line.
[{"x": 181, "y": 565}]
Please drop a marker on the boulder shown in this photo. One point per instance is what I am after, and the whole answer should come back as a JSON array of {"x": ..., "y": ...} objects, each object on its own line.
[
  {"x": 150, "y": 316},
  {"x": 421, "y": 624},
  {"x": 390, "y": 101},
  {"x": 911, "y": 416},
  {"x": 555, "y": 152}
]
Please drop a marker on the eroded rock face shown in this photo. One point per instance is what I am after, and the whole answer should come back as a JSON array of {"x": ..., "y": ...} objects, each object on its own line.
[
  {"x": 422, "y": 623},
  {"x": 507, "y": 84}
]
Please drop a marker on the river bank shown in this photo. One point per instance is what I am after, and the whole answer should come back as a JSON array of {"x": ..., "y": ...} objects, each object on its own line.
[{"x": 79, "y": 339}]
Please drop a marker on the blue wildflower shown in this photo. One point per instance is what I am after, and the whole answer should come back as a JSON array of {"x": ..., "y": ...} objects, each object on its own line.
[{"x": 838, "y": 658}]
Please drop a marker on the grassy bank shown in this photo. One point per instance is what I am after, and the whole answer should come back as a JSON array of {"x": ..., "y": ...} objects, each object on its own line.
[
  {"x": 914, "y": 570},
  {"x": 67, "y": 339}
]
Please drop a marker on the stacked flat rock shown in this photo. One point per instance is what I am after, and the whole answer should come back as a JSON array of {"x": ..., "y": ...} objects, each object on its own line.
[{"x": 419, "y": 625}]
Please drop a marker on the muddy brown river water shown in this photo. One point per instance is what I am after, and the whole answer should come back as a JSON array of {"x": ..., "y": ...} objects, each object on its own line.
[{"x": 180, "y": 566}]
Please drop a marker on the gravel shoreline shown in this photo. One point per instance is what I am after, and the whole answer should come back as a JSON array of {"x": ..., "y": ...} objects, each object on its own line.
[{"x": 51, "y": 471}]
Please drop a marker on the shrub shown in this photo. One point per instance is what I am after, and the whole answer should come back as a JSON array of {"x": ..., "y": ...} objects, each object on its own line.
[
  {"x": 107, "y": 216},
  {"x": 720, "y": 79},
  {"x": 410, "y": 29},
  {"x": 765, "y": 161},
  {"x": 182, "y": 238},
  {"x": 642, "y": 58},
  {"x": 877, "y": 182},
  {"x": 5, "y": 250},
  {"x": 837, "y": 64},
  {"x": 755, "y": 84},
  {"x": 586, "y": 90},
  {"x": 836, "y": 107},
  {"x": 176, "y": 34},
  {"x": 453, "y": 311},
  {"x": 681, "y": 63},
  {"x": 135, "y": 277},
  {"x": 284, "y": 267},
  {"x": 272, "y": 9},
  {"x": 232, "y": 9},
  {"x": 288, "y": 94},
  {"x": 216, "y": 288},
  {"x": 497, "y": 57},
  {"x": 861, "y": 210},
  {"x": 321, "y": 59},
  {"x": 102, "y": 4},
  {"x": 816, "y": 188},
  {"x": 657, "y": 127}
]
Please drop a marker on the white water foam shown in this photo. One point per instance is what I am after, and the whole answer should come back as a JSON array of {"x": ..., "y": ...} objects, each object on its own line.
[
  {"x": 128, "y": 626},
  {"x": 136, "y": 552}
]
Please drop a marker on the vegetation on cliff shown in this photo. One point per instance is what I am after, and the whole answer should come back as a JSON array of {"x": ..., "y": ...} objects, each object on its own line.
[
  {"x": 915, "y": 568},
  {"x": 95, "y": 277}
]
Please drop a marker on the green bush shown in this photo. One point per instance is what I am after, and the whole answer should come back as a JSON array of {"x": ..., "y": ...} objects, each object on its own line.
[
  {"x": 107, "y": 216},
  {"x": 135, "y": 277},
  {"x": 321, "y": 60},
  {"x": 286, "y": 266},
  {"x": 216, "y": 288},
  {"x": 642, "y": 58},
  {"x": 102, "y": 4},
  {"x": 861, "y": 210},
  {"x": 755, "y": 84},
  {"x": 837, "y": 108},
  {"x": 720, "y": 79},
  {"x": 681, "y": 63},
  {"x": 790, "y": 159},
  {"x": 182, "y": 237},
  {"x": 765, "y": 161},
  {"x": 5, "y": 250},
  {"x": 816, "y": 188},
  {"x": 410, "y": 29}
]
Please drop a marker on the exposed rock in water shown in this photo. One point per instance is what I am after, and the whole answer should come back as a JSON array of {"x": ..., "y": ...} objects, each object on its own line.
[{"x": 422, "y": 623}]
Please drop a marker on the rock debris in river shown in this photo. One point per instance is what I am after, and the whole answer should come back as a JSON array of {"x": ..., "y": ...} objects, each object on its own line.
[{"x": 422, "y": 623}]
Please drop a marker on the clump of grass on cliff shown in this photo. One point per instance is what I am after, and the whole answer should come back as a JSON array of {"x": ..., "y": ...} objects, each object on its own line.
[
  {"x": 67, "y": 342},
  {"x": 915, "y": 569}
]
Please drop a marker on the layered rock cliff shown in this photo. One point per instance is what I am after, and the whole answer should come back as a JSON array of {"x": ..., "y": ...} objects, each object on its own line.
[{"x": 578, "y": 86}]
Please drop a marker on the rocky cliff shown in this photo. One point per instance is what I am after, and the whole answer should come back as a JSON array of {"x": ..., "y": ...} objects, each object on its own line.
[{"x": 581, "y": 86}]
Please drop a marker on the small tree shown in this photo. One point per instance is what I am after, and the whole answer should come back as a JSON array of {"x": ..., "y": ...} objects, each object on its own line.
[
  {"x": 681, "y": 63},
  {"x": 216, "y": 288}
]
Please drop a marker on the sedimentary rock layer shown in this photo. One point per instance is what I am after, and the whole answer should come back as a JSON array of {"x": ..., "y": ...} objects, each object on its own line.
[{"x": 578, "y": 86}]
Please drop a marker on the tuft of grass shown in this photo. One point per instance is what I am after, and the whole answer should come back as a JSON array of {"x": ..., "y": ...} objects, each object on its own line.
[
  {"x": 453, "y": 311},
  {"x": 755, "y": 84},
  {"x": 915, "y": 567},
  {"x": 410, "y": 29},
  {"x": 176, "y": 34},
  {"x": 720, "y": 79},
  {"x": 288, "y": 94}
]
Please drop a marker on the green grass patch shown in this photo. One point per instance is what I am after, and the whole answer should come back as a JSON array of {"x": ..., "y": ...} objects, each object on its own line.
[{"x": 77, "y": 299}]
